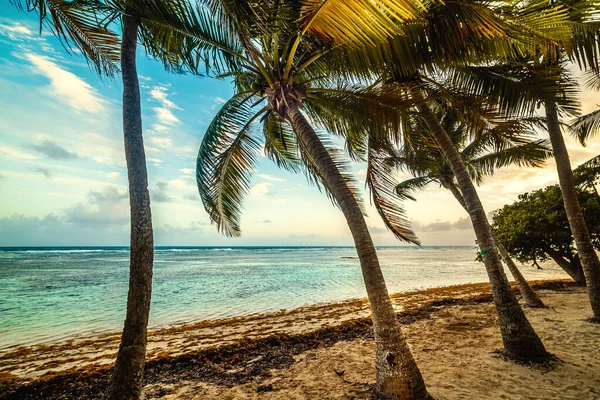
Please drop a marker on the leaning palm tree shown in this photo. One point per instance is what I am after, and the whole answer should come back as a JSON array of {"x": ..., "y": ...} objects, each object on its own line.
[
  {"x": 501, "y": 143},
  {"x": 286, "y": 98},
  {"x": 544, "y": 80},
  {"x": 473, "y": 33},
  {"x": 176, "y": 34}
]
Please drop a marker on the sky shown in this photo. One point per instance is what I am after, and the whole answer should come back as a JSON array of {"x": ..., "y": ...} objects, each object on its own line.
[{"x": 63, "y": 180}]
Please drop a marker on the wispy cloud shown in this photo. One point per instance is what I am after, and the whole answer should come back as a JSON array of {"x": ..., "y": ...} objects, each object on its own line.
[
  {"x": 164, "y": 113},
  {"x": 66, "y": 86},
  {"x": 188, "y": 171},
  {"x": 113, "y": 175},
  {"x": 160, "y": 194},
  {"x": 15, "y": 31},
  {"x": 442, "y": 226},
  {"x": 270, "y": 178},
  {"x": 260, "y": 189},
  {"x": 161, "y": 141},
  {"x": 44, "y": 171},
  {"x": 53, "y": 151},
  {"x": 14, "y": 153}
]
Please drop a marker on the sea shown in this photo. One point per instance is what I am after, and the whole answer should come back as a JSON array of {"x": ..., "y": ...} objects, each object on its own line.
[{"x": 55, "y": 294}]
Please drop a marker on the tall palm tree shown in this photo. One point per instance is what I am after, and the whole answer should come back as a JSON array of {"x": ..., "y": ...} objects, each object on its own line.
[
  {"x": 500, "y": 144},
  {"x": 544, "y": 80},
  {"x": 176, "y": 34},
  {"x": 284, "y": 93},
  {"x": 458, "y": 34}
]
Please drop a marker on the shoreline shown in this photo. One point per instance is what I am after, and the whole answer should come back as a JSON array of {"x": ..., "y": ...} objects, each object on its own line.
[{"x": 305, "y": 328}]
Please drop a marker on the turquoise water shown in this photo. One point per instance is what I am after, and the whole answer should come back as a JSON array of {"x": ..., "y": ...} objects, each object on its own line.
[{"x": 50, "y": 294}]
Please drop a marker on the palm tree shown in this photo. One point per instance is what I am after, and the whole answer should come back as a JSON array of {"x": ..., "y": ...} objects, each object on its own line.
[
  {"x": 176, "y": 34},
  {"x": 543, "y": 79},
  {"x": 451, "y": 37},
  {"x": 284, "y": 91},
  {"x": 501, "y": 143}
]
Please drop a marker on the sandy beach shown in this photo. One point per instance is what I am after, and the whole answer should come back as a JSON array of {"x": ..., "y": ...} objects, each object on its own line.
[{"x": 326, "y": 352}]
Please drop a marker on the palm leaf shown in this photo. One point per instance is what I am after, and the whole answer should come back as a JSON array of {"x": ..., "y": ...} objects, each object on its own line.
[
  {"x": 382, "y": 185},
  {"x": 225, "y": 164},
  {"x": 315, "y": 178},
  {"x": 80, "y": 24},
  {"x": 586, "y": 127},
  {"x": 280, "y": 144},
  {"x": 187, "y": 38},
  {"x": 406, "y": 188},
  {"x": 359, "y": 23},
  {"x": 532, "y": 154}
]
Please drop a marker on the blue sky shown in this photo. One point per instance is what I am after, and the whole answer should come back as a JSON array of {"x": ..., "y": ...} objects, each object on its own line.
[{"x": 62, "y": 167}]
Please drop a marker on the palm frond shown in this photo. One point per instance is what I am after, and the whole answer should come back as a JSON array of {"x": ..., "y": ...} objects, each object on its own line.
[
  {"x": 187, "y": 38},
  {"x": 314, "y": 177},
  {"x": 381, "y": 182},
  {"x": 280, "y": 144},
  {"x": 225, "y": 163},
  {"x": 358, "y": 23},
  {"x": 586, "y": 127},
  {"x": 356, "y": 112},
  {"x": 518, "y": 89},
  {"x": 532, "y": 154},
  {"x": 405, "y": 189},
  {"x": 81, "y": 25}
]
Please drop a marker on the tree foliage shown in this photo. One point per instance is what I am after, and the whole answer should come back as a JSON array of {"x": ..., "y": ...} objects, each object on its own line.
[{"x": 535, "y": 227}]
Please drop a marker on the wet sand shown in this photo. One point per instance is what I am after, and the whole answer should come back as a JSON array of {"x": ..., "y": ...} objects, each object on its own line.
[{"x": 326, "y": 352}]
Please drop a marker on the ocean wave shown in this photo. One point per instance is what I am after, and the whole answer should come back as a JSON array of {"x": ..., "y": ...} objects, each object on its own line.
[{"x": 62, "y": 251}]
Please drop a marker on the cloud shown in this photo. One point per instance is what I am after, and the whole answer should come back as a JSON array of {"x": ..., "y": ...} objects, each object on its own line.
[
  {"x": 194, "y": 196},
  {"x": 375, "y": 230},
  {"x": 260, "y": 189},
  {"x": 66, "y": 86},
  {"x": 267, "y": 221},
  {"x": 188, "y": 171},
  {"x": 106, "y": 207},
  {"x": 113, "y": 175},
  {"x": 16, "y": 153},
  {"x": 171, "y": 233},
  {"x": 164, "y": 113},
  {"x": 218, "y": 102},
  {"x": 53, "y": 151},
  {"x": 159, "y": 93},
  {"x": 160, "y": 194},
  {"x": 15, "y": 31},
  {"x": 54, "y": 230},
  {"x": 270, "y": 178},
  {"x": 161, "y": 141},
  {"x": 44, "y": 171},
  {"x": 442, "y": 226},
  {"x": 165, "y": 116}
]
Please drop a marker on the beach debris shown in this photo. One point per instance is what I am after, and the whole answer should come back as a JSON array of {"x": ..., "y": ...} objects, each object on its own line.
[
  {"x": 264, "y": 388},
  {"x": 255, "y": 360},
  {"x": 339, "y": 373}
]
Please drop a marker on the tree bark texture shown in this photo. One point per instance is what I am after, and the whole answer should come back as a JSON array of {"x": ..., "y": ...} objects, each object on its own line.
[
  {"x": 398, "y": 376},
  {"x": 126, "y": 381},
  {"x": 585, "y": 249},
  {"x": 518, "y": 336}
]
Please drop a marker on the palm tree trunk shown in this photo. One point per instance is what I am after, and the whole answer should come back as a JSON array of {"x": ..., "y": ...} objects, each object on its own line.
[
  {"x": 126, "y": 382},
  {"x": 519, "y": 338},
  {"x": 398, "y": 376},
  {"x": 585, "y": 249},
  {"x": 570, "y": 266},
  {"x": 529, "y": 296}
]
